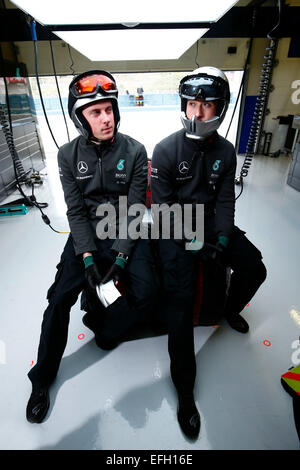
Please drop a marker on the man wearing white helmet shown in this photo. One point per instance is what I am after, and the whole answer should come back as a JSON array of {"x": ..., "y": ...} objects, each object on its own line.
[
  {"x": 96, "y": 169},
  {"x": 205, "y": 98},
  {"x": 197, "y": 166}
]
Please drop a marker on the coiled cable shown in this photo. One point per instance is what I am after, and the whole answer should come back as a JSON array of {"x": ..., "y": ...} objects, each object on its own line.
[
  {"x": 19, "y": 171},
  {"x": 17, "y": 165},
  {"x": 260, "y": 104}
]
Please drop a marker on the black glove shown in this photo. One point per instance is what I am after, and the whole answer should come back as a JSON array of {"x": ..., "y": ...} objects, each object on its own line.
[
  {"x": 92, "y": 275},
  {"x": 117, "y": 270},
  {"x": 222, "y": 243},
  {"x": 211, "y": 252},
  {"x": 218, "y": 253}
]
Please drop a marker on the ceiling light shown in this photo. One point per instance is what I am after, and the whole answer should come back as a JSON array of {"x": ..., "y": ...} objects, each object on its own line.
[
  {"x": 58, "y": 12},
  {"x": 128, "y": 44}
]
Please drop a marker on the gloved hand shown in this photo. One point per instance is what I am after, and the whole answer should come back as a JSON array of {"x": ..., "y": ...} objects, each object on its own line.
[
  {"x": 92, "y": 275},
  {"x": 116, "y": 271},
  {"x": 222, "y": 242},
  {"x": 218, "y": 253},
  {"x": 194, "y": 246}
]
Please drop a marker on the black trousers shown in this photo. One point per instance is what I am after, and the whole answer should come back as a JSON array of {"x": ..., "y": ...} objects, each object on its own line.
[
  {"x": 139, "y": 300},
  {"x": 179, "y": 274}
]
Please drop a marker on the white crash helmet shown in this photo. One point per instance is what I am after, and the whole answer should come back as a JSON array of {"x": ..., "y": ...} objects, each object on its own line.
[{"x": 206, "y": 83}]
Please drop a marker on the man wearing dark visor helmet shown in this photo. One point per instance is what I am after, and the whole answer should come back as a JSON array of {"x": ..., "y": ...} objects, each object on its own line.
[
  {"x": 197, "y": 166},
  {"x": 95, "y": 169}
]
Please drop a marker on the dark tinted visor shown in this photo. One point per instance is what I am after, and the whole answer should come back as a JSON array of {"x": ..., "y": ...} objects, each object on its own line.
[{"x": 202, "y": 87}]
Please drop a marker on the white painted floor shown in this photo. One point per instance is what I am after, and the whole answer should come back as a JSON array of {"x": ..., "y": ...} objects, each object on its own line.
[{"x": 124, "y": 399}]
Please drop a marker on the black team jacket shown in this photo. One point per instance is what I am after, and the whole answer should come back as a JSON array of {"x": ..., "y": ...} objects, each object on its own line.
[
  {"x": 92, "y": 175},
  {"x": 189, "y": 171}
]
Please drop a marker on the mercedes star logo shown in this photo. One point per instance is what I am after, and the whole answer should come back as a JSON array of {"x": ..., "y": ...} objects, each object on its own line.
[
  {"x": 184, "y": 167},
  {"x": 82, "y": 167}
]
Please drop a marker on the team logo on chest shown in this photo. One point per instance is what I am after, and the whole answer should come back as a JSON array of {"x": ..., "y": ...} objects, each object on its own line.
[
  {"x": 216, "y": 165},
  {"x": 120, "y": 165},
  {"x": 82, "y": 167},
  {"x": 183, "y": 167}
]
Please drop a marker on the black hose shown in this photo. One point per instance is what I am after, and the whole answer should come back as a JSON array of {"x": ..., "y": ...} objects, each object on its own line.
[
  {"x": 58, "y": 91},
  {"x": 241, "y": 85},
  {"x": 40, "y": 93}
]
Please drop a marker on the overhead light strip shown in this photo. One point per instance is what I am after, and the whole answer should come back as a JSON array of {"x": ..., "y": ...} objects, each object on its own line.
[
  {"x": 131, "y": 44},
  {"x": 63, "y": 12}
]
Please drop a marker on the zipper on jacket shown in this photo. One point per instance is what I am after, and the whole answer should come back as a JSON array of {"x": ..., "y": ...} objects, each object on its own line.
[{"x": 100, "y": 168}]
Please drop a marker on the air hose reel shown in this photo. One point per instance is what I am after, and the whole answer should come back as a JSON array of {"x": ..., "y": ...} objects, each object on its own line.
[
  {"x": 260, "y": 109},
  {"x": 11, "y": 147}
]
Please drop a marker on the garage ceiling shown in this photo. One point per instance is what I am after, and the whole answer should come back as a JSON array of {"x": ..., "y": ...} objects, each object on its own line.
[{"x": 248, "y": 18}]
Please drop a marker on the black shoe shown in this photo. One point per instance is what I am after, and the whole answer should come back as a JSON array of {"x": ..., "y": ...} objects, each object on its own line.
[
  {"x": 101, "y": 342},
  {"x": 188, "y": 418},
  {"x": 89, "y": 322},
  {"x": 38, "y": 404},
  {"x": 106, "y": 345},
  {"x": 238, "y": 323}
]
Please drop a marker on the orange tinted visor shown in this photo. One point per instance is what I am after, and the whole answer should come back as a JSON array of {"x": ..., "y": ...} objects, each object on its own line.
[{"x": 89, "y": 84}]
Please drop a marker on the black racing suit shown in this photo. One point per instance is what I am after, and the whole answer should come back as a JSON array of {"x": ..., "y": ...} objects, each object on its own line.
[
  {"x": 188, "y": 171},
  {"x": 93, "y": 175}
]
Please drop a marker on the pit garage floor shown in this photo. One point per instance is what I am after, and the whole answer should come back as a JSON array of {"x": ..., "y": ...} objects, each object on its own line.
[{"x": 124, "y": 399}]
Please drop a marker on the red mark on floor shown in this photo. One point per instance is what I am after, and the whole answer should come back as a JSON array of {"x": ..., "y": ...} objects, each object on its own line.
[
  {"x": 217, "y": 326},
  {"x": 267, "y": 341},
  {"x": 31, "y": 363},
  {"x": 82, "y": 336}
]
